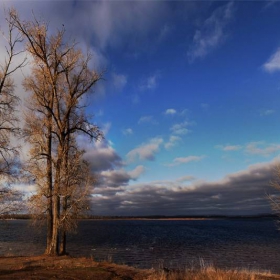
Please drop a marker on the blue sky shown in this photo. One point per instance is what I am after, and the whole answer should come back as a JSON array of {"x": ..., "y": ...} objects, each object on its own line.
[{"x": 189, "y": 102}]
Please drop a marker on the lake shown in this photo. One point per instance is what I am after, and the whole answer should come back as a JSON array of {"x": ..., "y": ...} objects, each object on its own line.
[{"x": 248, "y": 243}]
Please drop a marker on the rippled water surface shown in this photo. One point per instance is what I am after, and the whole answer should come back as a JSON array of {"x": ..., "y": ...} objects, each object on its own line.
[{"x": 223, "y": 243}]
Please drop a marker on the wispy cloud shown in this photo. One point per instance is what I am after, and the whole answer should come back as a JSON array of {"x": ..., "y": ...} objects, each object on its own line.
[
  {"x": 273, "y": 63},
  {"x": 183, "y": 160},
  {"x": 186, "y": 178},
  {"x": 150, "y": 82},
  {"x": 127, "y": 131},
  {"x": 262, "y": 149},
  {"x": 212, "y": 33},
  {"x": 267, "y": 112},
  {"x": 204, "y": 106},
  {"x": 181, "y": 128},
  {"x": 145, "y": 151},
  {"x": 119, "y": 80},
  {"x": 228, "y": 148},
  {"x": 164, "y": 32},
  {"x": 173, "y": 140},
  {"x": 147, "y": 119},
  {"x": 269, "y": 3}
]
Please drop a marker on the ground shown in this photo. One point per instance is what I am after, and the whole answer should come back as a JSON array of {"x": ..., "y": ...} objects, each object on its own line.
[
  {"x": 66, "y": 267},
  {"x": 44, "y": 267}
]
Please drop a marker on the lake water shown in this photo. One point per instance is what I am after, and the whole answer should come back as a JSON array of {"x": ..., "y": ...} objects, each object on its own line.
[{"x": 253, "y": 244}]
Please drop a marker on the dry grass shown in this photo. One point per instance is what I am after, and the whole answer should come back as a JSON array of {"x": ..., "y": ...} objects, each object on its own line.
[{"x": 211, "y": 273}]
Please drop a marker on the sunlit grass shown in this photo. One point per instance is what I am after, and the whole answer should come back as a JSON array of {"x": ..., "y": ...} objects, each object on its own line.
[{"x": 209, "y": 272}]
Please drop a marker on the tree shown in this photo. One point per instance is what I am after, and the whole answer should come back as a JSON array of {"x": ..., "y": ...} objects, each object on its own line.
[
  {"x": 9, "y": 199},
  {"x": 59, "y": 82},
  {"x": 9, "y": 101},
  {"x": 275, "y": 198}
]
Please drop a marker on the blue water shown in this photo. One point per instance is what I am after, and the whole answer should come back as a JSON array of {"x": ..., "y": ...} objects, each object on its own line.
[{"x": 253, "y": 244}]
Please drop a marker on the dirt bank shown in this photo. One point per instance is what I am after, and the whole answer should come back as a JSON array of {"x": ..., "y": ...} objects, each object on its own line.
[{"x": 44, "y": 267}]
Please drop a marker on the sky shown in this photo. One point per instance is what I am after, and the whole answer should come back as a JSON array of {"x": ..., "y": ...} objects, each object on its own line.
[{"x": 188, "y": 103}]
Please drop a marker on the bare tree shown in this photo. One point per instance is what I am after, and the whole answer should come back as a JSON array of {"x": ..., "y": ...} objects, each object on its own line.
[
  {"x": 9, "y": 130},
  {"x": 10, "y": 201},
  {"x": 9, "y": 101},
  {"x": 275, "y": 198},
  {"x": 60, "y": 79}
]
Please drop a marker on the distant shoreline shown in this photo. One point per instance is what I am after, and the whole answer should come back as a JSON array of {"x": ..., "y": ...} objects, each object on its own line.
[{"x": 154, "y": 218}]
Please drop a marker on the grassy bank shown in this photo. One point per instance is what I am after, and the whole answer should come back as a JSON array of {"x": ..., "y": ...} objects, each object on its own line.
[
  {"x": 212, "y": 273},
  {"x": 43, "y": 268}
]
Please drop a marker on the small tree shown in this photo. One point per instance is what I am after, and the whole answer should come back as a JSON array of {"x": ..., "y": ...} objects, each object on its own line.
[
  {"x": 10, "y": 201},
  {"x": 273, "y": 198}
]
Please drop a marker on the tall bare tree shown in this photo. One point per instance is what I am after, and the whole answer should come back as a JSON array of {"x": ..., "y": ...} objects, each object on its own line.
[{"x": 59, "y": 82}]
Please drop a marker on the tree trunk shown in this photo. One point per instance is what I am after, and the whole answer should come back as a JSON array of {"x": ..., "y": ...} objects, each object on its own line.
[
  {"x": 54, "y": 250},
  {"x": 50, "y": 189},
  {"x": 62, "y": 250},
  {"x": 54, "y": 246}
]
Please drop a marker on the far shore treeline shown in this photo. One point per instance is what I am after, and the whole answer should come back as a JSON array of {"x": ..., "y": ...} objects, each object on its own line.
[{"x": 152, "y": 217}]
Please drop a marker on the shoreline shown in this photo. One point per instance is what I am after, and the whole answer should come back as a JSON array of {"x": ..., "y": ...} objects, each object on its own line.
[{"x": 66, "y": 267}]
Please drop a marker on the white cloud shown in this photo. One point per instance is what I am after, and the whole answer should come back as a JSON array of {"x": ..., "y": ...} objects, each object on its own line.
[
  {"x": 119, "y": 80},
  {"x": 145, "y": 151},
  {"x": 183, "y": 160},
  {"x": 228, "y": 148},
  {"x": 170, "y": 112},
  {"x": 273, "y": 63},
  {"x": 262, "y": 149},
  {"x": 127, "y": 131},
  {"x": 181, "y": 128},
  {"x": 135, "y": 173},
  {"x": 212, "y": 32},
  {"x": 147, "y": 119},
  {"x": 173, "y": 140}
]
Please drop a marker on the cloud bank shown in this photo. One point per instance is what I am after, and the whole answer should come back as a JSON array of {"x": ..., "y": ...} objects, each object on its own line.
[{"x": 240, "y": 193}]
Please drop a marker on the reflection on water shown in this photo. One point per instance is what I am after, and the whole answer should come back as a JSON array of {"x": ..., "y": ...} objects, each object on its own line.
[{"x": 223, "y": 243}]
